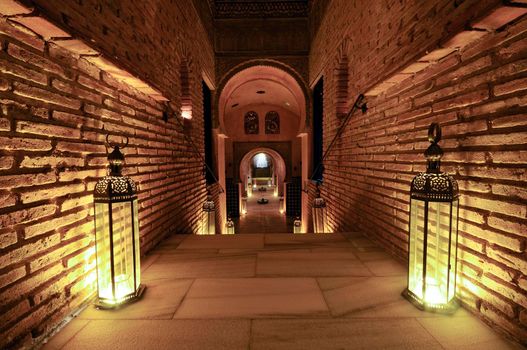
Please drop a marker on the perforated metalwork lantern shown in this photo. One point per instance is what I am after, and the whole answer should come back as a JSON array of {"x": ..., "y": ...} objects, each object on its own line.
[
  {"x": 243, "y": 205},
  {"x": 319, "y": 213},
  {"x": 432, "y": 246},
  {"x": 117, "y": 236},
  {"x": 208, "y": 217},
  {"x": 297, "y": 225},
  {"x": 229, "y": 227}
]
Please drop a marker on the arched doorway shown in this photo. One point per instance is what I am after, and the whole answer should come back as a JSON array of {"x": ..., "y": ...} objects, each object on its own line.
[
  {"x": 262, "y": 174},
  {"x": 254, "y": 165},
  {"x": 261, "y": 109}
]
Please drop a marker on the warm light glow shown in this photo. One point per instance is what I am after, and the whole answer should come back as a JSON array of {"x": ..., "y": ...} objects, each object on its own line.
[
  {"x": 297, "y": 226},
  {"x": 281, "y": 211},
  {"x": 433, "y": 295},
  {"x": 229, "y": 227},
  {"x": 186, "y": 112}
]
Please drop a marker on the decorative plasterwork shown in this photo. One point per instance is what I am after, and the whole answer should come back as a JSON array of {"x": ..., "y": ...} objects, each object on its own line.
[{"x": 251, "y": 9}]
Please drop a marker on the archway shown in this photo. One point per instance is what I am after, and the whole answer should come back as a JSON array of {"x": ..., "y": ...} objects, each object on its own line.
[
  {"x": 279, "y": 168},
  {"x": 261, "y": 108}
]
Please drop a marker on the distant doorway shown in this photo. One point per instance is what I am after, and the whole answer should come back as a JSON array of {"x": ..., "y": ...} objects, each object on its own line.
[{"x": 262, "y": 172}]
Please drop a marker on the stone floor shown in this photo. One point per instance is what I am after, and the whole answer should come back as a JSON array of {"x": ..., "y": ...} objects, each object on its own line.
[
  {"x": 264, "y": 218},
  {"x": 273, "y": 291}
]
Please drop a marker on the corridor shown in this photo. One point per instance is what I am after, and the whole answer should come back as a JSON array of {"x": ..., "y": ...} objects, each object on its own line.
[
  {"x": 273, "y": 291},
  {"x": 130, "y": 129},
  {"x": 264, "y": 218}
]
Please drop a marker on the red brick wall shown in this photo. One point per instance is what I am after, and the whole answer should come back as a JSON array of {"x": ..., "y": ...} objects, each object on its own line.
[
  {"x": 150, "y": 38},
  {"x": 53, "y": 108},
  {"x": 479, "y": 96}
]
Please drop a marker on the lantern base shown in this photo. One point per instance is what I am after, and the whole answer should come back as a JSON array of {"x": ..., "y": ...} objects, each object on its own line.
[
  {"x": 105, "y": 305},
  {"x": 447, "y": 308}
]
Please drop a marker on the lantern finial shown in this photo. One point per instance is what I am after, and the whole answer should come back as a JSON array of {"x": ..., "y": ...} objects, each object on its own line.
[
  {"x": 116, "y": 157},
  {"x": 434, "y": 153}
]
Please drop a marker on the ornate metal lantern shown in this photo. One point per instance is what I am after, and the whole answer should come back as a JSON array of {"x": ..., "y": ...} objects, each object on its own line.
[
  {"x": 208, "y": 217},
  {"x": 117, "y": 236},
  {"x": 319, "y": 213},
  {"x": 432, "y": 246},
  {"x": 229, "y": 227},
  {"x": 243, "y": 205},
  {"x": 297, "y": 225}
]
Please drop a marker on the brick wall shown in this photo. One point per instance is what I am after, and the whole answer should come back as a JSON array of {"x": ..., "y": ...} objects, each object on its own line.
[
  {"x": 479, "y": 96},
  {"x": 149, "y": 38},
  {"x": 55, "y": 111}
]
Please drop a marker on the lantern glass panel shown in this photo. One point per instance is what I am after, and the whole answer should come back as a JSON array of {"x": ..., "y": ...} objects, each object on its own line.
[
  {"x": 319, "y": 219},
  {"x": 208, "y": 222},
  {"x": 297, "y": 226},
  {"x": 229, "y": 227},
  {"x": 438, "y": 249},
  {"x": 415, "y": 273},
  {"x": 453, "y": 250},
  {"x": 102, "y": 236},
  {"x": 123, "y": 249},
  {"x": 137, "y": 245}
]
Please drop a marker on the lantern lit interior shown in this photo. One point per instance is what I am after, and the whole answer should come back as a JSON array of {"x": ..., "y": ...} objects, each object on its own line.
[
  {"x": 229, "y": 227},
  {"x": 297, "y": 226},
  {"x": 319, "y": 217},
  {"x": 432, "y": 252},
  {"x": 118, "y": 262}
]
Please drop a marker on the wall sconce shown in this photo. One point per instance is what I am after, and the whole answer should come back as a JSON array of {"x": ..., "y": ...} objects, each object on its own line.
[
  {"x": 319, "y": 213},
  {"x": 117, "y": 236},
  {"x": 432, "y": 244},
  {"x": 229, "y": 227},
  {"x": 208, "y": 217},
  {"x": 281, "y": 205},
  {"x": 297, "y": 225}
]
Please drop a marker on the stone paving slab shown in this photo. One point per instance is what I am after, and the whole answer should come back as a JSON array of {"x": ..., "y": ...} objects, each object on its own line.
[
  {"x": 322, "y": 334},
  {"x": 253, "y": 297},
  {"x": 209, "y": 266},
  {"x": 252, "y": 241},
  {"x": 278, "y": 238},
  {"x": 309, "y": 264},
  {"x": 368, "y": 297},
  {"x": 160, "y": 301},
  {"x": 162, "y": 334}
]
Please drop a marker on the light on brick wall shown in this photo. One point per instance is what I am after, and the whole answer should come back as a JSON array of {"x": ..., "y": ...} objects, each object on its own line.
[
  {"x": 320, "y": 215},
  {"x": 432, "y": 245},
  {"x": 208, "y": 217},
  {"x": 117, "y": 236}
]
